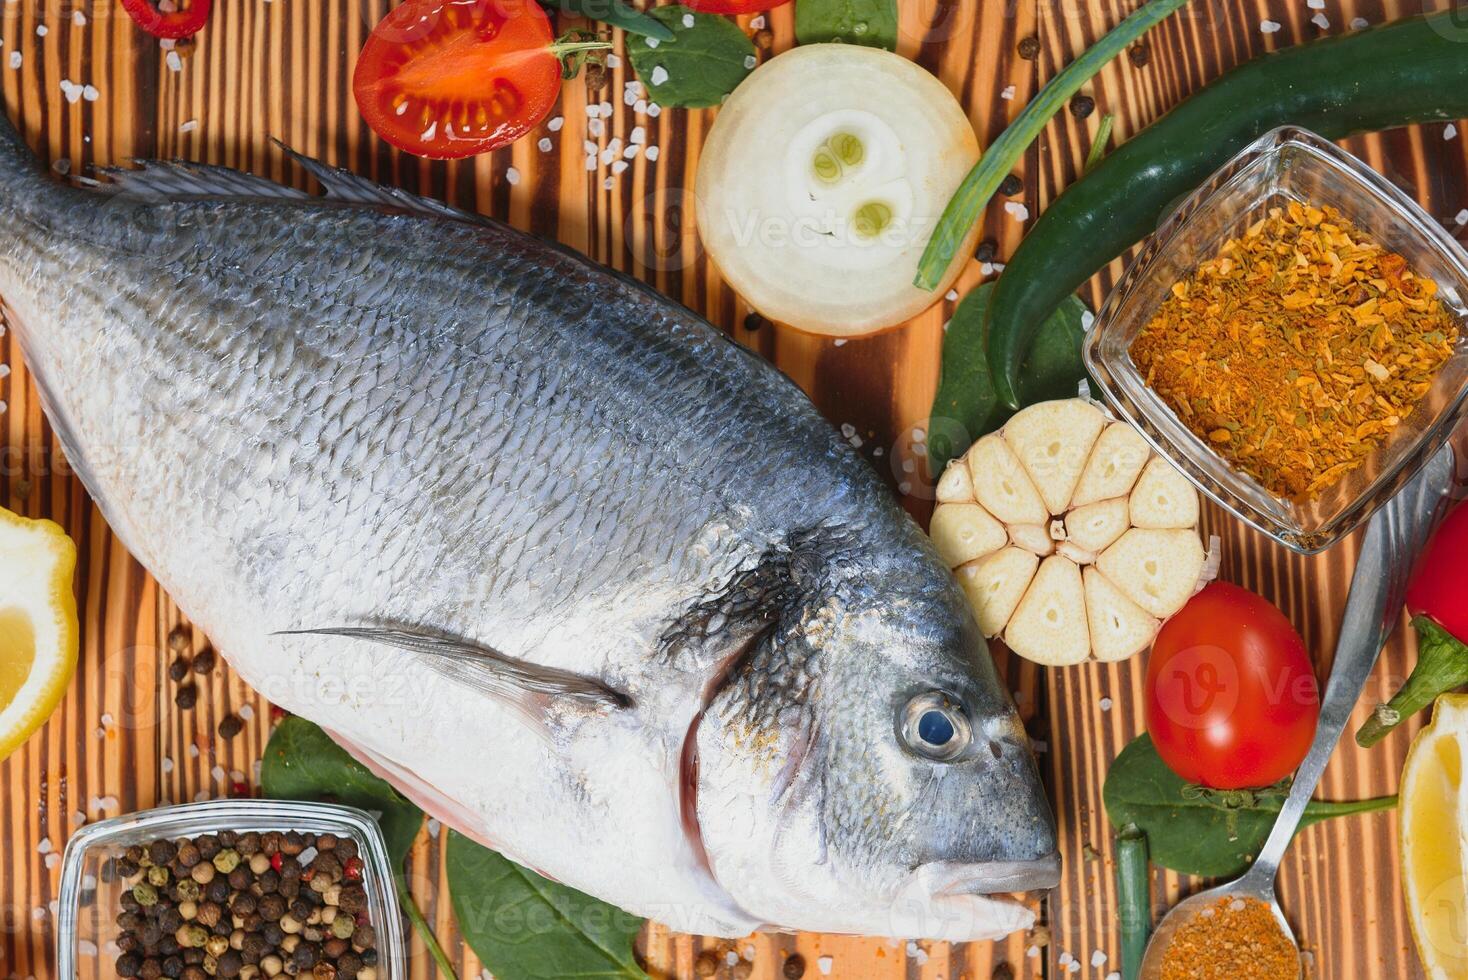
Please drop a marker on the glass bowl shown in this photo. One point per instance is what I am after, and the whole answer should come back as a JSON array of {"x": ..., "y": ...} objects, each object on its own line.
[
  {"x": 89, "y": 905},
  {"x": 1284, "y": 165}
]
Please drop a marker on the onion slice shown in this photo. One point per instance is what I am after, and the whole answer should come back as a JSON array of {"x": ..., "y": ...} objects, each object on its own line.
[{"x": 821, "y": 181}]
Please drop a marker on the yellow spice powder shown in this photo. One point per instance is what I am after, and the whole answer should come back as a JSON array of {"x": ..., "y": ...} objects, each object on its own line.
[
  {"x": 1235, "y": 939},
  {"x": 1297, "y": 349}
]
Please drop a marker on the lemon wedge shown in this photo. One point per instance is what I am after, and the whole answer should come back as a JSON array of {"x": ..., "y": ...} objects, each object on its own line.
[
  {"x": 38, "y": 629},
  {"x": 1435, "y": 840}
]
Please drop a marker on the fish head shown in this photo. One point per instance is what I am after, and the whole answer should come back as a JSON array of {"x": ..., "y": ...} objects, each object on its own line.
[{"x": 862, "y": 770}]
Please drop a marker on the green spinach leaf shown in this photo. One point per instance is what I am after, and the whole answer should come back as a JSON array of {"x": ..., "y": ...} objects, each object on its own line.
[
  {"x": 706, "y": 58},
  {"x": 1198, "y": 831},
  {"x": 966, "y": 405},
  {"x": 303, "y": 763},
  {"x": 614, "y": 13},
  {"x": 525, "y": 927},
  {"x": 869, "y": 22}
]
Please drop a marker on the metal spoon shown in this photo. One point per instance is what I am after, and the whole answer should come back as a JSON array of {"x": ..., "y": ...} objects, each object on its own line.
[{"x": 1396, "y": 535}]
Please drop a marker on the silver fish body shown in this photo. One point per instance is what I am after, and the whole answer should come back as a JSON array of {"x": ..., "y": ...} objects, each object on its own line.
[{"x": 302, "y": 413}]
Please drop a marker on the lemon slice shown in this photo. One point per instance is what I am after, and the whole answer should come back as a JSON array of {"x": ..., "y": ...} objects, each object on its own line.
[
  {"x": 38, "y": 631},
  {"x": 1435, "y": 840}
]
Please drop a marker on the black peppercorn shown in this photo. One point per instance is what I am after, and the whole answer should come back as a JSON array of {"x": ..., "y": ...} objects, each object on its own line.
[
  {"x": 364, "y": 937},
  {"x": 173, "y": 966},
  {"x": 152, "y": 969},
  {"x": 290, "y": 887},
  {"x": 369, "y": 957},
  {"x": 794, "y": 967},
  {"x": 300, "y": 910},
  {"x": 268, "y": 881},
  {"x": 170, "y": 919},
  {"x": 1139, "y": 55},
  {"x": 248, "y": 844},
  {"x": 243, "y": 904},
  {"x": 353, "y": 900},
  {"x": 1010, "y": 185},
  {"x": 205, "y": 661},
  {"x": 230, "y": 726},
  {"x": 273, "y": 934},
  {"x": 229, "y": 964},
  {"x": 217, "y": 890},
  {"x": 1029, "y": 47},
  {"x": 270, "y": 843},
  {"x": 239, "y": 878},
  {"x": 194, "y": 971},
  {"x": 186, "y": 696},
  {"x": 306, "y": 955},
  {"x": 228, "y": 838},
  {"x": 986, "y": 251},
  {"x": 178, "y": 670},
  {"x": 126, "y": 867},
  {"x": 1082, "y": 106},
  {"x": 348, "y": 964},
  {"x": 208, "y": 846},
  {"x": 193, "y": 956},
  {"x": 254, "y": 947},
  {"x": 188, "y": 854},
  {"x": 346, "y": 848},
  {"x": 292, "y": 844},
  {"x": 129, "y": 964}
]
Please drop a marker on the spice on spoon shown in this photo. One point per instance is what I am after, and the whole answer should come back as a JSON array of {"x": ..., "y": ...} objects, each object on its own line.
[
  {"x": 1234, "y": 939},
  {"x": 1298, "y": 349}
]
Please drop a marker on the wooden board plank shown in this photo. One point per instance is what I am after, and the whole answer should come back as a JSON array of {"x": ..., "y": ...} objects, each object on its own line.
[{"x": 281, "y": 68}]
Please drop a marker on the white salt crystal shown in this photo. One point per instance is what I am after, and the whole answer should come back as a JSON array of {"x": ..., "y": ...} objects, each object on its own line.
[
  {"x": 652, "y": 153},
  {"x": 1268, "y": 26},
  {"x": 555, "y": 123},
  {"x": 512, "y": 176},
  {"x": 544, "y": 145},
  {"x": 1017, "y": 210},
  {"x": 659, "y": 75}
]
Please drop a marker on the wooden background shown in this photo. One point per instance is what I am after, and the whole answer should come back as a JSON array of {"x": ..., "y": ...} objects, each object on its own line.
[{"x": 281, "y": 68}]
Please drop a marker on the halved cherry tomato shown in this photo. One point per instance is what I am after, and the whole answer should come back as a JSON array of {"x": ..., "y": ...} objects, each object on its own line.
[
  {"x": 169, "y": 18},
  {"x": 452, "y": 78},
  {"x": 1231, "y": 699},
  {"x": 735, "y": 7}
]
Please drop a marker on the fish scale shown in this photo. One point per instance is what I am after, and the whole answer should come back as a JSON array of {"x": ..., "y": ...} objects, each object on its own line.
[{"x": 582, "y": 576}]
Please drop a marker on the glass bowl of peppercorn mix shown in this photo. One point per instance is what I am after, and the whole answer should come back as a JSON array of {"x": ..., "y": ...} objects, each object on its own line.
[
  {"x": 230, "y": 890},
  {"x": 1294, "y": 339}
]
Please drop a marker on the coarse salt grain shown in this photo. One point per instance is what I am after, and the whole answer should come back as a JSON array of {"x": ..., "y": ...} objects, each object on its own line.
[
  {"x": 638, "y": 135},
  {"x": 757, "y": 23},
  {"x": 52, "y": 860},
  {"x": 166, "y": 765},
  {"x": 246, "y": 712},
  {"x": 1268, "y": 26},
  {"x": 217, "y": 774},
  {"x": 1098, "y": 958},
  {"x": 591, "y": 148},
  {"x": 1321, "y": 21},
  {"x": 1105, "y": 704},
  {"x": 606, "y": 156},
  {"x": 45, "y": 847},
  {"x": 1007, "y": 92},
  {"x": 613, "y": 61},
  {"x": 631, "y": 151},
  {"x": 840, "y": 342},
  {"x": 1114, "y": 975},
  {"x": 555, "y": 123},
  {"x": 15, "y": 57},
  {"x": 78, "y": 18},
  {"x": 824, "y": 964},
  {"x": 434, "y": 827},
  {"x": 86, "y": 947},
  {"x": 188, "y": 126},
  {"x": 951, "y": 295},
  {"x": 42, "y": 30},
  {"x": 193, "y": 751},
  {"x": 591, "y": 163},
  {"x": 619, "y": 166},
  {"x": 750, "y": 61},
  {"x": 544, "y": 145},
  {"x": 687, "y": 20},
  {"x": 5, "y": 368},
  {"x": 173, "y": 61},
  {"x": 654, "y": 110},
  {"x": 1064, "y": 959},
  {"x": 1017, "y": 210},
  {"x": 595, "y": 127},
  {"x": 512, "y": 176},
  {"x": 1462, "y": 218},
  {"x": 1449, "y": 131},
  {"x": 1359, "y": 23},
  {"x": 1315, "y": 4},
  {"x": 607, "y": 184},
  {"x": 651, "y": 42},
  {"x": 731, "y": 957},
  {"x": 652, "y": 153},
  {"x": 659, "y": 76}
]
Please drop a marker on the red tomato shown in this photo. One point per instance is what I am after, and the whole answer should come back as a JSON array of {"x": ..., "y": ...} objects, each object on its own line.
[
  {"x": 1439, "y": 586},
  {"x": 735, "y": 6},
  {"x": 452, "y": 78},
  {"x": 183, "y": 21},
  {"x": 1231, "y": 695}
]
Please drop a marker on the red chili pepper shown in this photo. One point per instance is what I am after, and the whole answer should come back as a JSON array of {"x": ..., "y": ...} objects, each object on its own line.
[
  {"x": 277, "y": 860},
  {"x": 352, "y": 870},
  {"x": 277, "y": 713},
  {"x": 239, "y": 789},
  {"x": 185, "y": 21},
  {"x": 308, "y": 874},
  {"x": 1437, "y": 598}
]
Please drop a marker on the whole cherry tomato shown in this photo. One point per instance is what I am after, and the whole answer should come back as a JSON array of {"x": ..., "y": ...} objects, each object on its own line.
[
  {"x": 1231, "y": 699},
  {"x": 736, "y": 7},
  {"x": 451, "y": 79}
]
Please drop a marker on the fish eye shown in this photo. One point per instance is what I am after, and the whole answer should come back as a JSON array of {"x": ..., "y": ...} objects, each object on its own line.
[{"x": 935, "y": 726}]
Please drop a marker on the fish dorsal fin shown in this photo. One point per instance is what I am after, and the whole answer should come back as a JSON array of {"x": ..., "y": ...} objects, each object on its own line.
[
  {"x": 534, "y": 689},
  {"x": 165, "y": 179},
  {"x": 349, "y": 188}
]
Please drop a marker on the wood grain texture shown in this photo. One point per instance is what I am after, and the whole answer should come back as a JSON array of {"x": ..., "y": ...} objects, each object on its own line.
[{"x": 281, "y": 69}]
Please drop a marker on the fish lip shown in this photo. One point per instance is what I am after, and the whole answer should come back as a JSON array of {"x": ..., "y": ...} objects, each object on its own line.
[{"x": 949, "y": 878}]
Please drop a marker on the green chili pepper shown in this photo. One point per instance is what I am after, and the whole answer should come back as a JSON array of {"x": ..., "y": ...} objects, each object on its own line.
[
  {"x": 1442, "y": 665},
  {"x": 1133, "y": 898},
  {"x": 1408, "y": 71}
]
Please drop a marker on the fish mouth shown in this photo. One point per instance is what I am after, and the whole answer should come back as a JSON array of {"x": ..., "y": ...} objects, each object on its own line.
[{"x": 950, "y": 878}]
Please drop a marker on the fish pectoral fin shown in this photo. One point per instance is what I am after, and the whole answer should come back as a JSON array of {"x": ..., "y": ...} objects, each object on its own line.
[{"x": 485, "y": 669}]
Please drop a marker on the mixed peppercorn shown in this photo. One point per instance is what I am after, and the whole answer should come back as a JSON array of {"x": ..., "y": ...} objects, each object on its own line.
[{"x": 246, "y": 906}]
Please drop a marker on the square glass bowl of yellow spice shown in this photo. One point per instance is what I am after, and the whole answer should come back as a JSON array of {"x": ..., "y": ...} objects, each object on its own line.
[{"x": 1292, "y": 338}]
